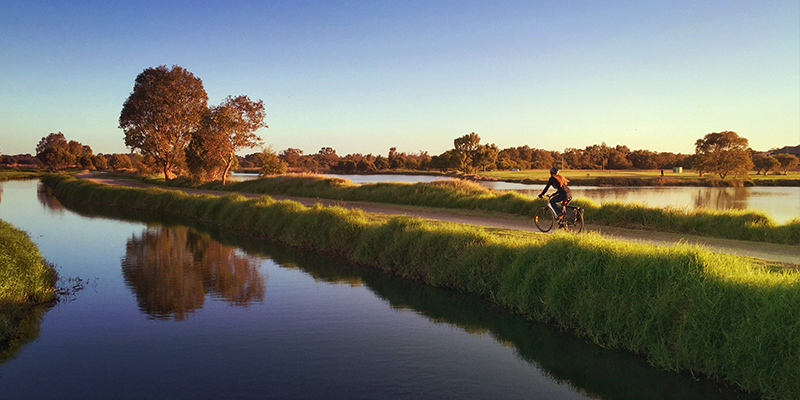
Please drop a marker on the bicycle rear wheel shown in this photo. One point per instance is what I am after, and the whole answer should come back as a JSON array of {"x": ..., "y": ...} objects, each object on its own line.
[
  {"x": 576, "y": 225},
  {"x": 544, "y": 219}
]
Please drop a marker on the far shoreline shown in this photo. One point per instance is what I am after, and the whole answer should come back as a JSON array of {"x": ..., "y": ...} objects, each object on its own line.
[{"x": 645, "y": 178}]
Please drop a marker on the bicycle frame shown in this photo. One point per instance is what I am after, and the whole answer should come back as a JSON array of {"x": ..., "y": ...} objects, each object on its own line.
[{"x": 550, "y": 206}]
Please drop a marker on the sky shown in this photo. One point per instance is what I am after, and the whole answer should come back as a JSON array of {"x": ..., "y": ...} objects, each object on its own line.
[{"x": 364, "y": 76}]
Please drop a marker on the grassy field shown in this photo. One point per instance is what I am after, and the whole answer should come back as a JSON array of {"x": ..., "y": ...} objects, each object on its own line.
[
  {"x": 26, "y": 283},
  {"x": 730, "y": 224},
  {"x": 686, "y": 309}
]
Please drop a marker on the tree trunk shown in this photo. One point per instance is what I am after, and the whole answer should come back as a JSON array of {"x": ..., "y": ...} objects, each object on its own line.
[{"x": 228, "y": 164}]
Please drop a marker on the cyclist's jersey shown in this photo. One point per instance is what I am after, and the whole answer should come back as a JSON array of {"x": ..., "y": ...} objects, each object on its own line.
[{"x": 563, "y": 191}]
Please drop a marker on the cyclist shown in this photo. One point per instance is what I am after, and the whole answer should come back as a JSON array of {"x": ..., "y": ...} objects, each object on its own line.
[{"x": 559, "y": 182}]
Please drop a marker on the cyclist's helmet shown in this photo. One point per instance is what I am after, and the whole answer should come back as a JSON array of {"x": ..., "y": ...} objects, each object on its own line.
[{"x": 554, "y": 170}]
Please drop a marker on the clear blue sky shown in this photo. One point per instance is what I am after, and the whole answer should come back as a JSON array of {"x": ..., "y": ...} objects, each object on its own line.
[{"x": 363, "y": 76}]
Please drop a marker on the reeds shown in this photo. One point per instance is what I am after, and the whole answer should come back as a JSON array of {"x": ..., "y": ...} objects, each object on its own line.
[{"x": 683, "y": 307}]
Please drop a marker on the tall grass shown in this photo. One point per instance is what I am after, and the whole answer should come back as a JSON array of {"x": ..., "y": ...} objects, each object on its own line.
[
  {"x": 26, "y": 281},
  {"x": 12, "y": 174},
  {"x": 24, "y": 275},
  {"x": 683, "y": 307},
  {"x": 455, "y": 194}
]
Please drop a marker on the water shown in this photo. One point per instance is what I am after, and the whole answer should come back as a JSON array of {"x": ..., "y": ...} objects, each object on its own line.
[
  {"x": 175, "y": 312},
  {"x": 358, "y": 178},
  {"x": 781, "y": 203}
]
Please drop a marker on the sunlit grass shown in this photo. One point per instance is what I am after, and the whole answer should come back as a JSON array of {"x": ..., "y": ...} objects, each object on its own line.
[
  {"x": 13, "y": 174},
  {"x": 26, "y": 279},
  {"x": 685, "y": 308},
  {"x": 465, "y": 195}
]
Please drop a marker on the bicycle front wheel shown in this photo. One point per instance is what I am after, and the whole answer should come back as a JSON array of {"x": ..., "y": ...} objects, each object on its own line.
[{"x": 544, "y": 219}]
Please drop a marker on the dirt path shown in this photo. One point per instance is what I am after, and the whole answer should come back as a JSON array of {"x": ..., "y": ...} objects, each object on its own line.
[{"x": 768, "y": 251}]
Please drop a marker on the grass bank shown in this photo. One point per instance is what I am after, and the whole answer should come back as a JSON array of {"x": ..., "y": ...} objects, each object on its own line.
[
  {"x": 686, "y": 309},
  {"x": 730, "y": 224},
  {"x": 26, "y": 283},
  {"x": 645, "y": 178},
  {"x": 12, "y": 174}
]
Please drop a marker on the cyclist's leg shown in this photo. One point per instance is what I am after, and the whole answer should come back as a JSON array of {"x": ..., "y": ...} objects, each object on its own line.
[{"x": 557, "y": 201}]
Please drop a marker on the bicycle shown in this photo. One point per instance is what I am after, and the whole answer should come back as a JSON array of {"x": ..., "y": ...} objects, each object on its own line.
[{"x": 545, "y": 217}]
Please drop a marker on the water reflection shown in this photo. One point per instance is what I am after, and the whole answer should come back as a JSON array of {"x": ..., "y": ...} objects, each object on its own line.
[
  {"x": 722, "y": 198},
  {"x": 172, "y": 269},
  {"x": 46, "y": 198},
  {"x": 590, "y": 369},
  {"x": 25, "y": 324}
]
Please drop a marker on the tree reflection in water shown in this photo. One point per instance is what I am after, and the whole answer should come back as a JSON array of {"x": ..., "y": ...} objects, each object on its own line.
[
  {"x": 171, "y": 269},
  {"x": 722, "y": 198},
  {"x": 46, "y": 198}
]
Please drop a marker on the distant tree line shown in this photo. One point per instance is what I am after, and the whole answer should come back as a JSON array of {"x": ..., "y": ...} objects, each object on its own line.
[
  {"x": 170, "y": 129},
  {"x": 55, "y": 153},
  {"x": 723, "y": 153}
]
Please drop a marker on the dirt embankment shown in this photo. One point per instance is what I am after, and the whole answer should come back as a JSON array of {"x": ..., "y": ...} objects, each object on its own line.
[{"x": 774, "y": 252}]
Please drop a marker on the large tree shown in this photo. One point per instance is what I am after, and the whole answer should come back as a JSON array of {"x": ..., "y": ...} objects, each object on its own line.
[
  {"x": 723, "y": 153},
  {"x": 54, "y": 151},
  {"x": 160, "y": 115},
  {"x": 471, "y": 156},
  {"x": 787, "y": 162},
  {"x": 225, "y": 129},
  {"x": 765, "y": 163}
]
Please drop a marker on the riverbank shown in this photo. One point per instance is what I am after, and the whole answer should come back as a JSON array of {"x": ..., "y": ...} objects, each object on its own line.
[
  {"x": 27, "y": 284},
  {"x": 11, "y": 174},
  {"x": 601, "y": 177},
  {"x": 643, "y": 178},
  {"x": 686, "y": 309},
  {"x": 452, "y": 194}
]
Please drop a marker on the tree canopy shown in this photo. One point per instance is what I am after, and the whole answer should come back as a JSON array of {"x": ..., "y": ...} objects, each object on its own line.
[
  {"x": 56, "y": 152},
  {"x": 786, "y": 161},
  {"x": 160, "y": 115},
  {"x": 469, "y": 155},
  {"x": 723, "y": 153},
  {"x": 765, "y": 163},
  {"x": 271, "y": 164},
  {"x": 225, "y": 129},
  {"x": 53, "y": 151}
]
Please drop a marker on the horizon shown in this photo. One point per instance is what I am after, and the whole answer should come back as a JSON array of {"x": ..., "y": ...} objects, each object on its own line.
[
  {"x": 304, "y": 152},
  {"x": 361, "y": 77}
]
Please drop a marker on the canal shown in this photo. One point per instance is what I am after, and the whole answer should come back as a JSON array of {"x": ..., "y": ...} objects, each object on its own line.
[{"x": 173, "y": 311}]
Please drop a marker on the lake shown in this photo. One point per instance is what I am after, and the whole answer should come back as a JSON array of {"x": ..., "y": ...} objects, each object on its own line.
[
  {"x": 179, "y": 312},
  {"x": 781, "y": 203}
]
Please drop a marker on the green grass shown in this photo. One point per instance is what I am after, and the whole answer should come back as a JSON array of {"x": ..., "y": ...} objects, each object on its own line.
[
  {"x": 12, "y": 174},
  {"x": 686, "y": 309},
  {"x": 26, "y": 282},
  {"x": 464, "y": 195}
]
